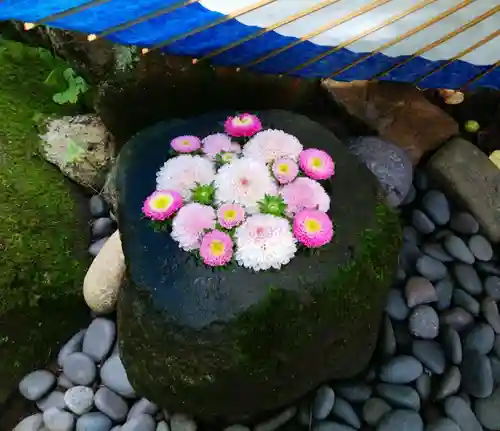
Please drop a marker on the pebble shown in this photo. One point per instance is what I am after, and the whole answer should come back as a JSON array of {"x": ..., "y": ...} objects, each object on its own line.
[
  {"x": 63, "y": 382},
  {"x": 464, "y": 223},
  {"x": 99, "y": 338},
  {"x": 73, "y": 345},
  {"x": 96, "y": 246},
  {"x": 323, "y": 402},
  {"x": 332, "y": 426},
  {"x": 399, "y": 395},
  {"x": 424, "y": 386},
  {"x": 460, "y": 412},
  {"x": 401, "y": 369},
  {"x": 102, "y": 227},
  {"x": 457, "y": 318},
  {"x": 424, "y": 322},
  {"x": 410, "y": 197},
  {"x": 30, "y": 423},
  {"x": 496, "y": 346},
  {"x": 37, "y": 384},
  {"x": 442, "y": 234},
  {"x": 436, "y": 251},
  {"x": 411, "y": 235},
  {"x": 444, "y": 290},
  {"x": 140, "y": 423},
  {"x": 98, "y": 206},
  {"x": 431, "y": 268},
  {"x": 235, "y": 428},
  {"x": 396, "y": 306},
  {"x": 374, "y": 410},
  {"x": 430, "y": 353},
  {"x": 111, "y": 404},
  {"x": 342, "y": 409},
  {"x": 269, "y": 425},
  {"x": 481, "y": 338},
  {"x": 467, "y": 278},
  {"x": 488, "y": 410},
  {"x": 458, "y": 249},
  {"x": 419, "y": 290},
  {"x": 388, "y": 342},
  {"x": 420, "y": 180},
  {"x": 354, "y": 392},
  {"x": 452, "y": 345},
  {"x": 403, "y": 336},
  {"x": 401, "y": 420},
  {"x": 490, "y": 312},
  {"x": 94, "y": 421},
  {"x": 480, "y": 248},
  {"x": 436, "y": 206},
  {"x": 488, "y": 268},
  {"x": 163, "y": 426},
  {"x": 443, "y": 424},
  {"x": 450, "y": 383},
  {"x": 422, "y": 222},
  {"x": 79, "y": 399},
  {"x": 492, "y": 287},
  {"x": 114, "y": 376},
  {"x": 408, "y": 256},
  {"x": 477, "y": 375},
  {"x": 54, "y": 399},
  {"x": 58, "y": 420},
  {"x": 495, "y": 368},
  {"x": 143, "y": 406},
  {"x": 80, "y": 369},
  {"x": 462, "y": 299},
  {"x": 465, "y": 396}
]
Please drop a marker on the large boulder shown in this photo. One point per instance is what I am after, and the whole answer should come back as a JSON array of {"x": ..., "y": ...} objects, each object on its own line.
[{"x": 232, "y": 344}]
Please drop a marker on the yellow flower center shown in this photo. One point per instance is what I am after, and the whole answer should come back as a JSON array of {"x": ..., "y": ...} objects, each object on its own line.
[
  {"x": 185, "y": 142},
  {"x": 227, "y": 157},
  {"x": 241, "y": 121},
  {"x": 161, "y": 202},
  {"x": 312, "y": 225},
  {"x": 230, "y": 214},
  {"x": 316, "y": 162},
  {"x": 217, "y": 247},
  {"x": 283, "y": 168}
]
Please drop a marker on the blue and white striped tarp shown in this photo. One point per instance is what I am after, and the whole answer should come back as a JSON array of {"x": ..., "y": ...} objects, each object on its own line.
[{"x": 432, "y": 43}]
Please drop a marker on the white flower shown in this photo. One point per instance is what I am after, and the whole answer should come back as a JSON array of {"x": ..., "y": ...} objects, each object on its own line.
[
  {"x": 245, "y": 182},
  {"x": 183, "y": 172},
  {"x": 264, "y": 241},
  {"x": 270, "y": 145},
  {"x": 190, "y": 223}
]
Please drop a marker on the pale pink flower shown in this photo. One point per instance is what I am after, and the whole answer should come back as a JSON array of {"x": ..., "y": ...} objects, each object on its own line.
[
  {"x": 215, "y": 144},
  {"x": 269, "y": 145},
  {"x": 305, "y": 193},
  {"x": 243, "y": 125},
  {"x": 230, "y": 215},
  {"x": 190, "y": 223},
  {"x": 161, "y": 204},
  {"x": 285, "y": 170},
  {"x": 312, "y": 228},
  {"x": 216, "y": 248},
  {"x": 186, "y": 144},
  {"x": 316, "y": 164}
]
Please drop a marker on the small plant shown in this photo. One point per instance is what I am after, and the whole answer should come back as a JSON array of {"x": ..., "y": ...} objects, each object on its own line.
[{"x": 74, "y": 85}]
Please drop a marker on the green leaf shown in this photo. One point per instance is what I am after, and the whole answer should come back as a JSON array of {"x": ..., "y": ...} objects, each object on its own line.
[{"x": 74, "y": 152}]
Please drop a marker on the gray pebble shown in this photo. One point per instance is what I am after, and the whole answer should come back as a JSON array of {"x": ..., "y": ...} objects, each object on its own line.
[
  {"x": 444, "y": 290},
  {"x": 401, "y": 369},
  {"x": 481, "y": 338},
  {"x": 459, "y": 411},
  {"x": 73, "y": 345},
  {"x": 63, "y": 382},
  {"x": 271, "y": 424},
  {"x": 496, "y": 346},
  {"x": 354, "y": 392},
  {"x": 323, "y": 402},
  {"x": 450, "y": 383},
  {"x": 492, "y": 287},
  {"x": 464, "y": 223},
  {"x": 430, "y": 353},
  {"x": 237, "y": 428},
  {"x": 111, "y": 404},
  {"x": 403, "y": 336},
  {"x": 374, "y": 410},
  {"x": 102, "y": 227},
  {"x": 180, "y": 422},
  {"x": 457, "y": 318},
  {"x": 116, "y": 428},
  {"x": 388, "y": 342},
  {"x": 452, "y": 345},
  {"x": 114, "y": 376},
  {"x": 98, "y": 206},
  {"x": 477, "y": 375},
  {"x": 424, "y": 386},
  {"x": 410, "y": 196},
  {"x": 58, "y": 420},
  {"x": 30, "y": 423},
  {"x": 343, "y": 410},
  {"x": 140, "y": 423},
  {"x": 462, "y": 299},
  {"x": 436, "y": 251},
  {"x": 143, "y": 406},
  {"x": 424, "y": 322},
  {"x": 422, "y": 222},
  {"x": 96, "y": 246},
  {"x": 467, "y": 278},
  {"x": 465, "y": 396},
  {"x": 36, "y": 384},
  {"x": 420, "y": 180},
  {"x": 399, "y": 395},
  {"x": 431, "y": 268},
  {"x": 458, "y": 249},
  {"x": 488, "y": 268},
  {"x": 411, "y": 235},
  {"x": 54, "y": 399},
  {"x": 408, "y": 256},
  {"x": 495, "y": 368},
  {"x": 419, "y": 290},
  {"x": 401, "y": 420},
  {"x": 480, "y": 248},
  {"x": 443, "y": 424},
  {"x": 488, "y": 410},
  {"x": 442, "y": 234},
  {"x": 490, "y": 312},
  {"x": 436, "y": 206},
  {"x": 80, "y": 369},
  {"x": 79, "y": 399},
  {"x": 99, "y": 338},
  {"x": 396, "y": 306},
  {"x": 331, "y": 426},
  {"x": 304, "y": 414},
  {"x": 163, "y": 426},
  {"x": 94, "y": 421}
]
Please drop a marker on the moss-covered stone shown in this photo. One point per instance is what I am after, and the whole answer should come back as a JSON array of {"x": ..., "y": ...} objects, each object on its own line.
[
  {"x": 234, "y": 344},
  {"x": 42, "y": 237}
]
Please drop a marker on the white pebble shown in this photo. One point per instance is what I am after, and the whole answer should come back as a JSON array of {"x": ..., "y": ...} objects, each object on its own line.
[
  {"x": 58, "y": 420},
  {"x": 31, "y": 423},
  {"x": 79, "y": 399},
  {"x": 180, "y": 422}
]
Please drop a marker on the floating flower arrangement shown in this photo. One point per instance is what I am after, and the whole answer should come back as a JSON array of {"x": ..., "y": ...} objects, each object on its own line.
[{"x": 253, "y": 204}]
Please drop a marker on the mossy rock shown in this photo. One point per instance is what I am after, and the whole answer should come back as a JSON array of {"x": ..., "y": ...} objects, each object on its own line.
[
  {"x": 233, "y": 344},
  {"x": 42, "y": 233}
]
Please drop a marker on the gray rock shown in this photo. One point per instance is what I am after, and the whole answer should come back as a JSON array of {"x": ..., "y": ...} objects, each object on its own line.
[
  {"x": 54, "y": 400},
  {"x": 94, "y": 421},
  {"x": 490, "y": 312},
  {"x": 63, "y": 381},
  {"x": 467, "y": 278},
  {"x": 111, "y": 404},
  {"x": 452, "y": 345},
  {"x": 441, "y": 234},
  {"x": 403, "y": 336},
  {"x": 495, "y": 368},
  {"x": 401, "y": 420},
  {"x": 411, "y": 235},
  {"x": 401, "y": 369},
  {"x": 436, "y": 251},
  {"x": 492, "y": 287},
  {"x": 396, "y": 306},
  {"x": 424, "y": 322},
  {"x": 488, "y": 268},
  {"x": 342, "y": 409},
  {"x": 422, "y": 222},
  {"x": 488, "y": 410},
  {"x": 80, "y": 369},
  {"x": 410, "y": 197},
  {"x": 271, "y": 424},
  {"x": 430, "y": 353},
  {"x": 354, "y": 392},
  {"x": 73, "y": 345},
  {"x": 96, "y": 246},
  {"x": 443, "y": 424},
  {"x": 163, "y": 426},
  {"x": 374, "y": 410},
  {"x": 436, "y": 206},
  {"x": 143, "y": 406},
  {"x": 140, "y": 423},
  {"x": 481, "y": 338},
  {"x": 464, "y": 223},
  {"x": 457, "y": 318},
  {"x": 424, "y": 386},
  {"x": 480, "y": 248},
  {"x": 458, "y": 249},
  {"x": 99, "y": 338},
  {"x": 496, "y": 346},
  {"x": 477, "y": 375},
  {"x": 388, "y": 339},
  {"x": 450, "y": 383},
  {"x": 304, "y": 414},
  {"x": 444, "y": 290},
  {"x": 462, "y": 299},
  {"x": 119, "y": 427},
  {"x": 421, "y": 180},
  {"x": 58, "y": 420},
  {"x": 408, "y": 257},
  {"x": 431, "y": 268},
  {"x": 102, "y": 227},
  {"x": 323, "y": 402},
  {"x": 399, "y": 395},
  {"x": 30, "y": 423},
  {"x": 98, "y": 206},
  {"x": 36, "y": 384},
  {"x": 79, "y": 399},
  {"x": 332, "y": 426},
  {"x": 419, "y": 290},
  {"x": 465, "y": 396},
  {"x": 460, "y": 412},
  {"x": 114, "y": 376}
]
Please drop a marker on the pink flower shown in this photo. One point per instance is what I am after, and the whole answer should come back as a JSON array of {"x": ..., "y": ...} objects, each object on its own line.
[
  {"x": 304, "y": 193},
  {"x": 190, "y": 223},
  {"x": 270, "y": 144},
  {"x": 316, "y": 164},
  {"x": 230, "y": 215},
  {"x": 285, "y": 170},
  {"x": 161, "y": 204},
  {"x": 243, "y": 125},
  {"x": 215, "y": 144},
  {"x": 312, "y": 228},
  {"x": 216, "y": 248},
  {"x": 186, "y": 144}
]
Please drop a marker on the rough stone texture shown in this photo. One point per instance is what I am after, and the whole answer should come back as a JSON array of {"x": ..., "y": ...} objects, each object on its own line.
[
  {"x": 461, "y": 169},
  {"x": 237, "y": 376}
]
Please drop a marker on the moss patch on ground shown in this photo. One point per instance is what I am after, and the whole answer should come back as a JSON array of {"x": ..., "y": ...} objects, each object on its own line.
[{"x": 42, "y": 237}]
